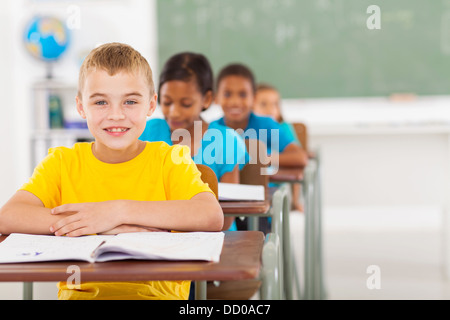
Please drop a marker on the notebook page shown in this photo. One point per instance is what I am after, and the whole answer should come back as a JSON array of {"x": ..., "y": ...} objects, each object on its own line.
[
  {"x": 33, "y": 248},
  {"x": 240, "y": 192},
  {"x": 205, "y": 246}
]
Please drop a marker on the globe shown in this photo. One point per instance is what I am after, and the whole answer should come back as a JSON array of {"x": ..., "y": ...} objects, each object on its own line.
[{"x": 46, "y": 38}]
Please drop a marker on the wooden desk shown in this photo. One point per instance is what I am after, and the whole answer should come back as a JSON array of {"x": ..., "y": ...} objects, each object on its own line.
[
  {"x": 250, "y": 209},
  {"x": 272, "y": 263},
  {"x": 243, "y": 208},
  {"x": 309, "y": 177},
  {"x": 275, "y": 206},
  {"x": 240, "y": 259},
  {"x": 290, "y": 174}
]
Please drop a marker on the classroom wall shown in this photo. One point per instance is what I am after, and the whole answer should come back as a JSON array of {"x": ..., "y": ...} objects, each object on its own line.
[
  {"x": 7, "y": 107},
  {"x": 385, "y": 163},
  {"x": 378, "y": 151}
]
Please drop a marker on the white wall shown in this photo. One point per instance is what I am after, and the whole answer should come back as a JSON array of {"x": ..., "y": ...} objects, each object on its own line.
[
  {"x": 380, "y": 152},
  {"x": 7, "y": 108},
  {"x": 375, "y": 151}
]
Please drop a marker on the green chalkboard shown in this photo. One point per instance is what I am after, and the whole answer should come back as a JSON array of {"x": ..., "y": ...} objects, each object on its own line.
[{"x": 317, "y": 48}]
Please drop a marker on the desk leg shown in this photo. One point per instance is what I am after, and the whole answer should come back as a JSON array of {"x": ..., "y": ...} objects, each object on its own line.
[
  {"x": 291, "y": 275},
  {"x": 200, "y": 290},
  {"x": 277, "y": 215},
  {"x": 253, "y": 223},
  {"x": 288, "y": 258},
  {"x": 28, "y": 291},
  {"x": 445, "y": 225},
  {"x": 271, "y": 287},
  {"x": 314, "y": 279},
  {"x": 321, "y": 294},
  {"x": 308, "y": 192}
]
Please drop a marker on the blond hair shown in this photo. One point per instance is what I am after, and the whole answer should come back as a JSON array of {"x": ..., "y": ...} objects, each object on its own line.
[{"x": 113, "y": 58}]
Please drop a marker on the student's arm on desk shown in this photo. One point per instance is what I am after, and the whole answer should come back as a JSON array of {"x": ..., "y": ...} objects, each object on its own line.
[
  {"x": 201, "y": 213},
  {"x": 293, "y": 156},
  {"x": 25, "y": 213}
]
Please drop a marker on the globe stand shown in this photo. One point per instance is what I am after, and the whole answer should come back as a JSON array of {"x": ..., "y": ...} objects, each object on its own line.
[{"x": 49, "y": 71}]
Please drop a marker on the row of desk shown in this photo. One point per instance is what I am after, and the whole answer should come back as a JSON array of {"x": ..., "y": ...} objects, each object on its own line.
[
  {"x": 313, "y": 287},
  {"x": 245, "y": 255}
]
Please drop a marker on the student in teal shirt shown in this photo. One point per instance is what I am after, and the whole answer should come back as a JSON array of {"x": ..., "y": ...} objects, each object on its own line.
[
  {"x": 185, "y": 90},
  {"x": 266, "y": 129},
  {"x": 235, "y": 94}
]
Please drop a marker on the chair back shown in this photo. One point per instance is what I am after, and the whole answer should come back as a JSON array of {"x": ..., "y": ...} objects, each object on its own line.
[
  {"x": 253, "y": 172},
  {"x": 302, "y": 134},
  {"x": 208, "y": 176}
]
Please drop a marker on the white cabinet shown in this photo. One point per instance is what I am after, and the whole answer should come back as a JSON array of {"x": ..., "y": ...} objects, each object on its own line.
[{"x": 55, "y": 119}]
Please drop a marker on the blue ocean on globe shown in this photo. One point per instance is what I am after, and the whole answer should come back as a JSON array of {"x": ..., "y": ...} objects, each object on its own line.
[{"x": 46, "y": 38}]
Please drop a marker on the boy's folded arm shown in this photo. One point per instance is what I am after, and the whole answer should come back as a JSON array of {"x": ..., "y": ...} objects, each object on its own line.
[
  {"x": 201, "y": 213},
  {"x": 25, "y": 213}
]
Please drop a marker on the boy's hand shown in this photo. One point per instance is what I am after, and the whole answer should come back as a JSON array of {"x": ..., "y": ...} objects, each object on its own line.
[{"x": 87, "y": 218}]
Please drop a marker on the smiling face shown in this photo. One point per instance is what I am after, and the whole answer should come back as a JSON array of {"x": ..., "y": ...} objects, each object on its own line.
[
  {"x": 116, "y": 108},
  {"x": 235, "y": 96},
  {"x": 182, "y": 102},
  {"x": 267, "y": 103}
]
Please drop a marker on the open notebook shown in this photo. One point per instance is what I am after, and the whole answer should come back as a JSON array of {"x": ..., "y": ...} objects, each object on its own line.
[
  {"x": 206, "y": 246},
  {"x": 240, "y": 192}
]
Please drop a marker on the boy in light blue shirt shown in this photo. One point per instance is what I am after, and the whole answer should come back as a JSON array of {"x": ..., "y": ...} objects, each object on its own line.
[{"x": 236, "y": 94}]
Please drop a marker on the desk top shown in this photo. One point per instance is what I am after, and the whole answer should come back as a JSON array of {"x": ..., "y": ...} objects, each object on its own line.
[
  {"x": 245, "y": 207},
  {"x": 240, "y": 259},
  {"x": 288, "y": 174},
  {"x": 241, "y": 208}
]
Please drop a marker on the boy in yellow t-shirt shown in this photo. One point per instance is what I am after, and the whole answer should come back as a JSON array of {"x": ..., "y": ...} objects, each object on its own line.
[{"x": 116, "y": 183}]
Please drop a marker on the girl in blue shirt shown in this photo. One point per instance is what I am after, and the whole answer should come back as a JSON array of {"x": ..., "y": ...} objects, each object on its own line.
[{"x": 185, "y": 90}]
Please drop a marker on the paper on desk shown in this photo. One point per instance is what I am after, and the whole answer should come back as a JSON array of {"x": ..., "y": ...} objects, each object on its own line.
[
  {"x": 35, "y": 248},
  {"x": 205, "y": 246},
  {"x": 241, "y": 192}
]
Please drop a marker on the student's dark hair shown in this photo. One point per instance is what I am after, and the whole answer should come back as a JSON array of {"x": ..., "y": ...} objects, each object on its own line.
[
  {"x": 187, "y": 66},
  {"x": 237, "y": 69}
]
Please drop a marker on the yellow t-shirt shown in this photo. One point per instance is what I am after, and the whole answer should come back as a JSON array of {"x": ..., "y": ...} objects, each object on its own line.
[{"x": 75, "y": 175}]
